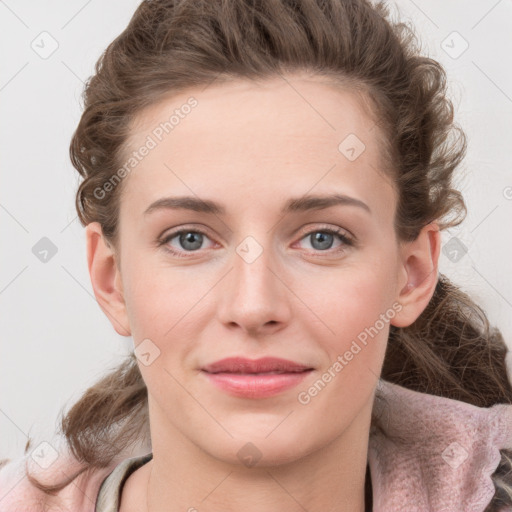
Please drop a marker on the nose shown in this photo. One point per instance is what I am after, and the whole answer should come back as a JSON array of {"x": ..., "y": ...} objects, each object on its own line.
[{"x": 254, "y": 296}]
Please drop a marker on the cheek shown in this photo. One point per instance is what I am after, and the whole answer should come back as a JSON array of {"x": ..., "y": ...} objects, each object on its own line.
[
  {"x": 349, "y": 298},
  {"x": 354, "y": 313},
  {"x": 357, "y": 309},
  {"x": 159, "y": 300}
]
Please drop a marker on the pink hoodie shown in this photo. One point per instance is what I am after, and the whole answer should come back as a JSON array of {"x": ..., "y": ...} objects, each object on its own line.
[{"x": 435, "y": 454}]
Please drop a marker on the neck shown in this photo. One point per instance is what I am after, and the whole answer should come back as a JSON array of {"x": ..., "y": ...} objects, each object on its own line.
[{"x": 182, "y": 477}]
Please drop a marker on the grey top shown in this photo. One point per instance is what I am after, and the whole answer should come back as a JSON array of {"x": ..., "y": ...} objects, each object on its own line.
[{"x": 109, "y": 495}]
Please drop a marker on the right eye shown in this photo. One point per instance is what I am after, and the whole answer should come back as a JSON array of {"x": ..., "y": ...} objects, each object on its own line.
[{"x": 190, "y": 240}]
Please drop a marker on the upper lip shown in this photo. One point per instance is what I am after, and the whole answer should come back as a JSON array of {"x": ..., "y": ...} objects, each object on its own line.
[{"x": 264, "y": 364}]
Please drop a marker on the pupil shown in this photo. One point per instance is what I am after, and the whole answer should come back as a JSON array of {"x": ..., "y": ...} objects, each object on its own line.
[
  {"x": 189, "y": 238},
  {"x": 322, "y": 237}
]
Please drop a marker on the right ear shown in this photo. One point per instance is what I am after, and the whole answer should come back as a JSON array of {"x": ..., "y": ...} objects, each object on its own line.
[{"x": 106, "y": 278}]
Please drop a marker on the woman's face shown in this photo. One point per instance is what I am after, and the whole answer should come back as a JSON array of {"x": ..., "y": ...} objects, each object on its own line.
[{"x": 261, "y": 274}]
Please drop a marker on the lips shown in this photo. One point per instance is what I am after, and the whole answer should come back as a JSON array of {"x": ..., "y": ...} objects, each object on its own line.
[
  {"x": 264, "y": 365},
  {"x": 252, "y": 379}
]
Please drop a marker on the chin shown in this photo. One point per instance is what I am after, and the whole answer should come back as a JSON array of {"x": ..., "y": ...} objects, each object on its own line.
[{"x": 260, "y": 450}]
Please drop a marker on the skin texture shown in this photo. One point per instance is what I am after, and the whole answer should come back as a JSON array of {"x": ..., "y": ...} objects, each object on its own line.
[{"x": 251, "y": 147}]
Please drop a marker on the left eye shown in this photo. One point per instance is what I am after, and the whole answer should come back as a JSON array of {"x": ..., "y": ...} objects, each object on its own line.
[
  {"x": 323, "y": 238},
  {"x": 192, "y": 240}
]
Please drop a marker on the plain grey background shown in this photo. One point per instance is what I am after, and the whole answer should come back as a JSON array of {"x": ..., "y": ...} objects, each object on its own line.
[{"x": 55, "y": 340}]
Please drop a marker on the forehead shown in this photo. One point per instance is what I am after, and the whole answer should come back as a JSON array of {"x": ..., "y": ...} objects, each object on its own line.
[{"x": 279, "y": 137}]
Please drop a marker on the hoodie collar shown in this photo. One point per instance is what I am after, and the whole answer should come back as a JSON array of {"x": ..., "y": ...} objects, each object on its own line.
[{"x": 434, "y": 453}]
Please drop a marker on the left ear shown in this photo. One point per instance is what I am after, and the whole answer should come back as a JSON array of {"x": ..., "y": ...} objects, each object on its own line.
[{"x": 419, "y": 262}]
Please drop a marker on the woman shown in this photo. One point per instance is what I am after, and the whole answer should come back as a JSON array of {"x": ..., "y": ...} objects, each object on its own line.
[{"x": 265, "y": 186}]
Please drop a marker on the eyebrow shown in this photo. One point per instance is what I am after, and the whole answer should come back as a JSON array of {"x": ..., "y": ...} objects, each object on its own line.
[{"x": 299, "y": 204}]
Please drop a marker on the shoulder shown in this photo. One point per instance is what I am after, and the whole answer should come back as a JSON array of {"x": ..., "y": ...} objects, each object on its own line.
[
  {"x": 435, "y": 451},
  {"x": 16, "y": 492},
  {"x": 19, "y": 494}
]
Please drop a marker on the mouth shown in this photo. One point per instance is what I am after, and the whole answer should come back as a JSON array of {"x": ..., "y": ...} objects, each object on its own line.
[
  {"x": 264, "y": 365},
  {"x": 276, "y": 372},
  {"x": 253, "y": 379}
]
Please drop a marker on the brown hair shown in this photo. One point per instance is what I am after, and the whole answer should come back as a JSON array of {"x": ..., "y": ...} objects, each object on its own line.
[{"x": 169, "y": 46}]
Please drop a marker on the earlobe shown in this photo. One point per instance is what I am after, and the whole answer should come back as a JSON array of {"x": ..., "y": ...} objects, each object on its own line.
[
  {"x": 106, "y": 278},
  {"x": 420, "y": 266}
]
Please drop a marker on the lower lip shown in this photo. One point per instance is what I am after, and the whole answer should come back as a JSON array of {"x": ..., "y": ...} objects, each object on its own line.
[{"x": 254, "y": 385}]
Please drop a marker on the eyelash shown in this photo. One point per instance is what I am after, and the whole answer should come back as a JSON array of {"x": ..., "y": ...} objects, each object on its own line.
[{"x": 347, "y": 241}]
